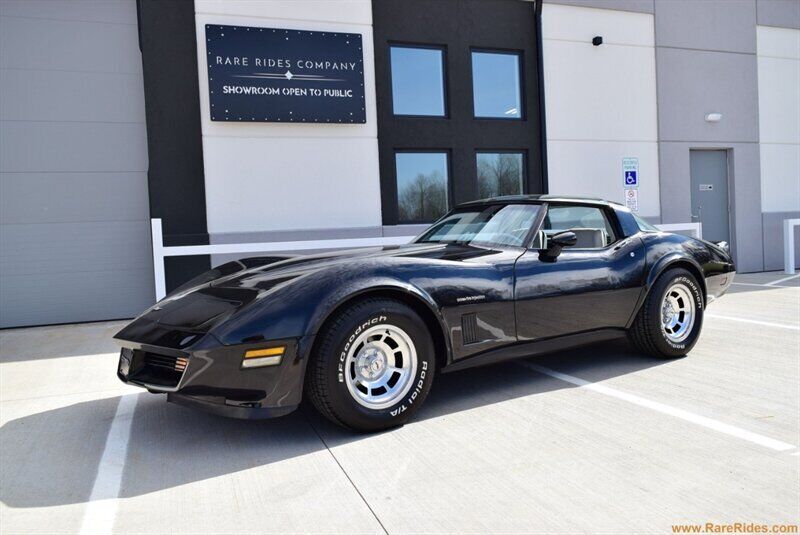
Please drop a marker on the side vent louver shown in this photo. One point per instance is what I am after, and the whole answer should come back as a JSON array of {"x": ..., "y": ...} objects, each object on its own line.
[{"x": 469, "y": 328}]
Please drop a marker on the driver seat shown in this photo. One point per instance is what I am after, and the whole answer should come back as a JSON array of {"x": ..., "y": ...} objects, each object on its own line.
[{"x": 590, "y": 238}]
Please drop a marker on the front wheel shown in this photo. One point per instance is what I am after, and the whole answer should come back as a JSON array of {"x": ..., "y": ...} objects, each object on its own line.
[
  {"x": 373, "y": 366},
  {"x": 669, "y": 322}
]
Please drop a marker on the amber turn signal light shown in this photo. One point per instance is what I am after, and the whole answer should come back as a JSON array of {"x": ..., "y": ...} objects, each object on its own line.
[{"x": 271, "y": 356}]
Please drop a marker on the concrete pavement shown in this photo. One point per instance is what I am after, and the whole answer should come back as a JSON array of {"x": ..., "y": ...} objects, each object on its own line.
[{"x": 643, "y": 445}]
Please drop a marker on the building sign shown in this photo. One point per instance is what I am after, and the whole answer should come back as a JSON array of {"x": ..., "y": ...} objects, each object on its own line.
[
  {"x": 630, "y": 172},
  {"x": 279, "y": 75},
  {"x": 632, "y": 199}
]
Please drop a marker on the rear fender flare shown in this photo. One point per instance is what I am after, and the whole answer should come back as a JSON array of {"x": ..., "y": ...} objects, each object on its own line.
[{"x": 661, "y": 266}]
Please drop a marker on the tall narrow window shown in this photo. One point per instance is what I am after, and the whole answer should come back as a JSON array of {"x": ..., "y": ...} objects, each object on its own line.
[
  {"x": 417, "y": 81},
  {"x": 496, "y": 85},
  {"x": 421, "y": 186},
  {"x": 500, "y": 173}
]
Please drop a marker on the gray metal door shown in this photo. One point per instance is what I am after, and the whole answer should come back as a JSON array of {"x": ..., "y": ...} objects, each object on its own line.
[{"x": 709, "y": 170}]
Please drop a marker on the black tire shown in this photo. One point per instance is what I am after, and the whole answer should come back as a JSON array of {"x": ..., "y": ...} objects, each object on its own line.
[
  {"x": 647, "y": 333},
  {"x": 334, "y": 395}
]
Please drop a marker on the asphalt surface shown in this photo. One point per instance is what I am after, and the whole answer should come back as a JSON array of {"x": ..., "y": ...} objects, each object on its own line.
[{"x": 600, "y": 439}]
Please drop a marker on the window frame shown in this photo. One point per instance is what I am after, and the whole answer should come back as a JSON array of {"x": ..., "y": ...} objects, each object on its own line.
[
  {"x": 523, "y": 178},
  {"x": 608, "y": 213},
  {"x": 449, "y": 185},
  {"x": 445, "y": 90},
  {"x": 520, "y": 54}
]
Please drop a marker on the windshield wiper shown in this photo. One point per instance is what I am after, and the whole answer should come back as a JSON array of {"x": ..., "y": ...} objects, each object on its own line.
[
  {"x": 456, "y": 242},
  {"x": 447, "y": 242}
]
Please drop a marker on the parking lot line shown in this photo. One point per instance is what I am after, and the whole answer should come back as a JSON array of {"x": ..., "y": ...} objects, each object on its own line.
[
  {"x": 346, "y": 475},
  {"x": 101, "y": 511},
  {"x": 756, "y": 322},
  {"x": 709, "y": 423},
  {"x": 790, "y": 277}
]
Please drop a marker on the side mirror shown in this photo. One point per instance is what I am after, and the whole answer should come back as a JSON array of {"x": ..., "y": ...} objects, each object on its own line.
[{"x": 556, "y": 243}]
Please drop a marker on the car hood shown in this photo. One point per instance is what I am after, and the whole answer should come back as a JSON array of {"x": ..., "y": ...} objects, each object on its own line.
[
  {"x": 199, "y": 308},
  {"x": 267, "y": 276}
]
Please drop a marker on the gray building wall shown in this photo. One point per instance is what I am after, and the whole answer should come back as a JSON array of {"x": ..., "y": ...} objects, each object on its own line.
[
  {"x": 74, "y": 216},
  {"x": 706, "y": 61},
  {"x": 780, "y": 13},
  {"x": 638, "y": 6}
]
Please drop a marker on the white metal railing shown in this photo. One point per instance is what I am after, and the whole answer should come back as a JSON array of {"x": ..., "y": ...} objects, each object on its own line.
[
  {"x": 788, "y": 244},
  {"x": 160, "y": 251},
  {"x": 695, "y": 228}
]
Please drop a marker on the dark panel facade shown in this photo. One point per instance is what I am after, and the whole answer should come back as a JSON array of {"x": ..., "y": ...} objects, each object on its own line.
[
  {"x": 458, "y": 27},
  {"x": 174, "y": 138}
]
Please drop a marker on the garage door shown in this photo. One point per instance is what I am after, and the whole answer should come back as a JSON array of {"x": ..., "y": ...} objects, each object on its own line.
[{"x": 74, "y": 234}]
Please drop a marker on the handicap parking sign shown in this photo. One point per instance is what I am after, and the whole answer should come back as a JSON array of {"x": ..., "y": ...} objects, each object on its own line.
[{"x": 630, "y": 172}]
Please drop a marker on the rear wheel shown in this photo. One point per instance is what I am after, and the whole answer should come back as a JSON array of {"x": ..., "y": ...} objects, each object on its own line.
[
  {"x": 669, "y": 322},
  {"x": 373, "y": 366}
]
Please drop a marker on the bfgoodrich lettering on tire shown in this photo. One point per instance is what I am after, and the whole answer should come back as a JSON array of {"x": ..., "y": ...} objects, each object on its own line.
[
  {"x": 373, "y": 366},
  {"x": 669, "y": 322}
]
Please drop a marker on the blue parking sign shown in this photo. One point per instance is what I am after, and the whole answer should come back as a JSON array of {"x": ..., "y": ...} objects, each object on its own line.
[{"x": 630, "y": 172}]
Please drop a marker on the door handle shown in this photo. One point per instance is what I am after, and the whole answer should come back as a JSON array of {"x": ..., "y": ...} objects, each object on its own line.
[{"x": 699, "y": 213}]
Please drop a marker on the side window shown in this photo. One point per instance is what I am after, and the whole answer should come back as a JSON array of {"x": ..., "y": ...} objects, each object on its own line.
[{"x": 590, "y": 225}]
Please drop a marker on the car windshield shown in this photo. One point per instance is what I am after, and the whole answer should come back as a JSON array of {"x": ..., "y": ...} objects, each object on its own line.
[{"x": 499, "y": 224}]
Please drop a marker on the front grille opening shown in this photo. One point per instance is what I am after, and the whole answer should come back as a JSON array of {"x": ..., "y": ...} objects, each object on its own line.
[{"x": 157, "y": 369}]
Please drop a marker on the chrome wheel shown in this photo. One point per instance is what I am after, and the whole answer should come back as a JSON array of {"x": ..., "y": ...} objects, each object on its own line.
[
  {"x": 677, "y": 312},
  {"x": 380, "y": 366}
]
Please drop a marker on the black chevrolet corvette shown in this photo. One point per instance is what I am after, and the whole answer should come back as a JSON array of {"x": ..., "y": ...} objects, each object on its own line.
[{"x": 362, "y": 333}]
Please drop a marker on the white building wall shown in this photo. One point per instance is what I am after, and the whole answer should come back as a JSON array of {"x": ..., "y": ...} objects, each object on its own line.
[
  {"x": 601, "y": 102},
  {"x": 263, "y": 177},
  {"x": 779, "y": 117}
]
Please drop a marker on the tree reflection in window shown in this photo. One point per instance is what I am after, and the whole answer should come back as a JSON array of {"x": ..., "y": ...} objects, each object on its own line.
[
  {"x": 421, "y": 186},
  {"x": 499, "y": 174}
]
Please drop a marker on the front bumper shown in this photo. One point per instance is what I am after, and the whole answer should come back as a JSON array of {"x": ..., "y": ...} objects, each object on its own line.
[
  {"x": 225, "y": 407},
  {"x": 209, "y": 375}
]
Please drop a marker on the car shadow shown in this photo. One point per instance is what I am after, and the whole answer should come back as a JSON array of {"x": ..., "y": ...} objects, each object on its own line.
[
  {"x": 51, "y": 458},
  {"x": 486, "y": 385}
]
